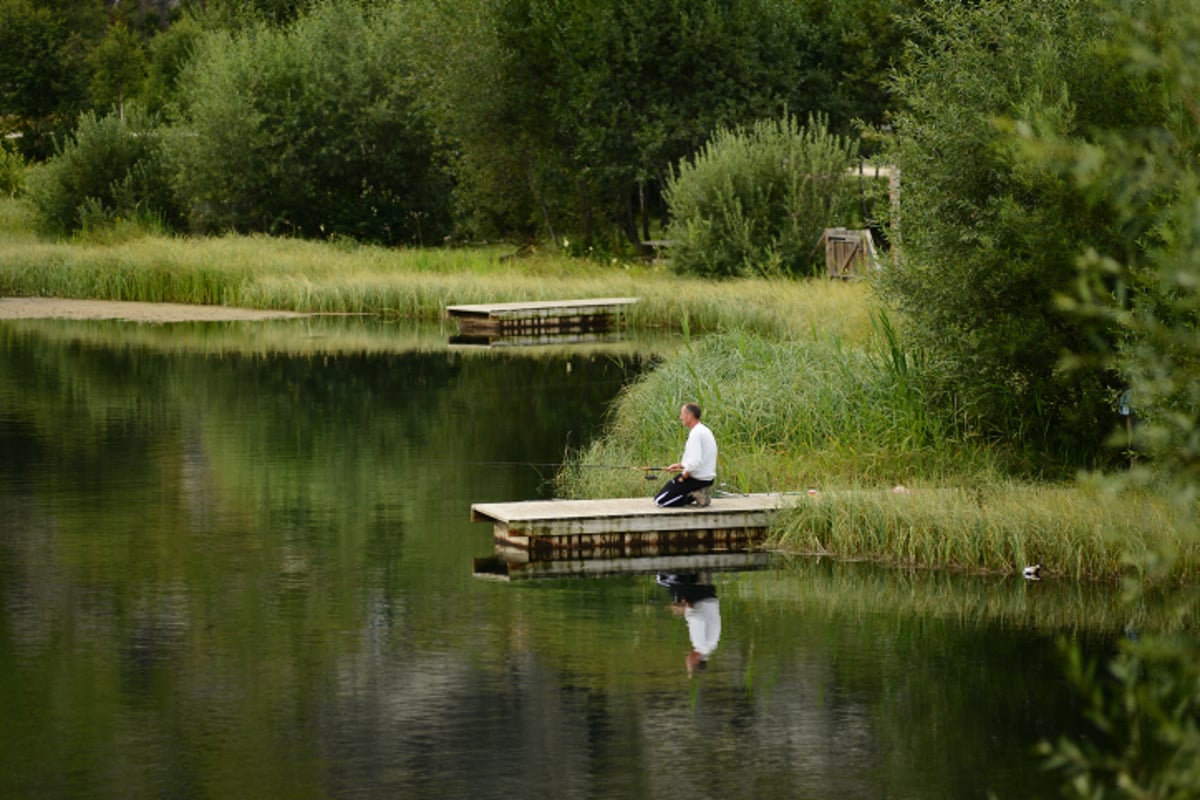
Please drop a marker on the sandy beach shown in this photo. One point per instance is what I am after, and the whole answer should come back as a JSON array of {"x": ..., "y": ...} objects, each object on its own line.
[{"x": 61, "y": 308}]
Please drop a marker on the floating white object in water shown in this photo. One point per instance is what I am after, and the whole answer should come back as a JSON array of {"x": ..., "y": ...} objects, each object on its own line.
[
  {"x": 1033, "y": 573},
  {"x": 897, "y": 489}
]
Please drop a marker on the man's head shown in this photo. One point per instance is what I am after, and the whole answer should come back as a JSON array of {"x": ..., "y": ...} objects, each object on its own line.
[{"x": 689, "y": 414}]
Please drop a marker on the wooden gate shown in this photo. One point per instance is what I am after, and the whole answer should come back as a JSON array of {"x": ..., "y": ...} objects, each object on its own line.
[{"x": 848, "y": 254}]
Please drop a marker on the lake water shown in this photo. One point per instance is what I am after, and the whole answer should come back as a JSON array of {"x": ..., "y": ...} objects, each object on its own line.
[{"x": 236, "y": 562}]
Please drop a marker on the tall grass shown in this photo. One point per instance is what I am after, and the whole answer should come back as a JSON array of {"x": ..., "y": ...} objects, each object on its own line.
[
  {"x": 788, "y": 415},
  {"x": 338, "y": 277},
  {"x": 1078, "y": 531}
]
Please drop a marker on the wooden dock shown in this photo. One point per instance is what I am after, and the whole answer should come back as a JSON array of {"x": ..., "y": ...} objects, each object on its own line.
[
  {"x": 540, "y": 318},
  {"x": 530, "y": 536}
]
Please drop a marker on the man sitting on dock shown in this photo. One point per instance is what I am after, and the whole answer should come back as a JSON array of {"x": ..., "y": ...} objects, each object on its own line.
[{"x": 697, "y": 467}]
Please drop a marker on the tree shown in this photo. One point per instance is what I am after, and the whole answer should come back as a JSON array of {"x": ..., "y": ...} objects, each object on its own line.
[
  {"x": 309, "y": 130},
  {"x": 118, "y": 67},
  {"x": 569, "y": 115},
  {"x": 990, "y": 240},
  {"x": 168, "y": 53},
  {"x": 38, "y": 87}
]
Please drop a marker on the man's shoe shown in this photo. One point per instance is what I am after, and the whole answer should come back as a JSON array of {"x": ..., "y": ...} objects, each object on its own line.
[{"x": 702, "y": 496}]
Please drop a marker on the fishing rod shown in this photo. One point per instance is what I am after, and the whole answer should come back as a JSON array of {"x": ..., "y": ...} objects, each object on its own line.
[{"x": 651, "y": 473}]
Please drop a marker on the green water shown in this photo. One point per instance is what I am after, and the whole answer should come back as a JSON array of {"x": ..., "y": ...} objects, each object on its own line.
[{"x": 236, "y": 561}]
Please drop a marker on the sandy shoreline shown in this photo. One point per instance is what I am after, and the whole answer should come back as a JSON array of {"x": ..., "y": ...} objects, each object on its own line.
[{"x": 61, "y": 308}]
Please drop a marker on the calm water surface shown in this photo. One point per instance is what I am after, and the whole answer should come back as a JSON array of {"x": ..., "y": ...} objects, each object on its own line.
[{"x": 230, "y": 570}]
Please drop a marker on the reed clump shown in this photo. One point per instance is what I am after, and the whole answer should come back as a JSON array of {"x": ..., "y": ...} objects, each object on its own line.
[{"x": 1078, "y": 531}]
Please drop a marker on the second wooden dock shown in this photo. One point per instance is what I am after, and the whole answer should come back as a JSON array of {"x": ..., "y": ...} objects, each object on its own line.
[{"x": 542, "y": 317}]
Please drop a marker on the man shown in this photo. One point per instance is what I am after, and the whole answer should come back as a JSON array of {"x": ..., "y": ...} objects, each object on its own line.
[{"x": 697, "y": 467}]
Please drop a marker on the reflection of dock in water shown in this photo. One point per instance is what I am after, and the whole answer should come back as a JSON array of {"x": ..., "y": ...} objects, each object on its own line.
[
  {"x": 538, "y": 321},
  {"x": 538, "y": 340},
  {"x": 499, "y": 568},
  {"x": 547, "y": 538}
]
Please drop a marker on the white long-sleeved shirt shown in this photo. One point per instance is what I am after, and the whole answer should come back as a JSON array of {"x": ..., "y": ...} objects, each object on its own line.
[{"x": 700, "y": 453}]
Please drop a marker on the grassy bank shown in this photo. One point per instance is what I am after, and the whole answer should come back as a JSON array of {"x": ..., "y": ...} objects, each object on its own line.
[
  {"x": 808, "y": 412},
  {"x": 845, "y": 421}
]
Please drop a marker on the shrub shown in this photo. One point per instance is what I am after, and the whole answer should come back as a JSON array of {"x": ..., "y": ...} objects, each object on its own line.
[
  {"x": 12, "y": 170},
  {"x": 110, "y": 168},
  {"x": 755, "y": 201}
]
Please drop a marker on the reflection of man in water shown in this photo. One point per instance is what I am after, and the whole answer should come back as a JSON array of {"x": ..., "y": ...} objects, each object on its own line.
[{"x": 695, "y": 598}]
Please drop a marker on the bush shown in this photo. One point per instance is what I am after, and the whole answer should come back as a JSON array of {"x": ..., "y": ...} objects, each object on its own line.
[
  {"x": 755, "y": 201},
  {"x": 12, "y": 170},
  {"x": 111, "y": 168}
]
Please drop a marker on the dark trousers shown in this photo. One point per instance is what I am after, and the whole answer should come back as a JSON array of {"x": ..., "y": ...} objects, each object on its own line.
[{"x": 678, "y": 491}]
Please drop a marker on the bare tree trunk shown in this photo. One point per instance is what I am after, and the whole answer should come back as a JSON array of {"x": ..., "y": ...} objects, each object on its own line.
[
  {"x": 644, "y": 211},
  {"x": 585, "y": 205}
]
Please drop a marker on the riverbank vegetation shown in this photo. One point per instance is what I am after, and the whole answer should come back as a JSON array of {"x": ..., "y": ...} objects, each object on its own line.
[
  {"x": 407, "y": 123},
  {"x": 348, "y": 278}
]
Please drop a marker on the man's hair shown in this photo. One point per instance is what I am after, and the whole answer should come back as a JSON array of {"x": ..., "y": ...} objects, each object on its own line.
[{"x": 692, "y": 409}]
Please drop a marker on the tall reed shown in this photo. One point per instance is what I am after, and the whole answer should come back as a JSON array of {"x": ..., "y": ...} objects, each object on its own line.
[{"x": 340, "y": 277}]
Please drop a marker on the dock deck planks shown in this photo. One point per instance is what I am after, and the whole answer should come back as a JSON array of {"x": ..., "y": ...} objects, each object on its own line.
[
  {"x": 631, "y": 527},
  {"x": 624, "y": 514}
]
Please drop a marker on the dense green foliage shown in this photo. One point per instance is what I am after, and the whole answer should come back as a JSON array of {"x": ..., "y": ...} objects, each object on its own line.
[
  {"x": 990, "y": 240},
  {"x": 112, "y": 167},
  {"x": 565, "y": 118},
  {"x": 754, "y": 201},
  {"x": 12, "y": 170},
  {"x": 310, "y": 131},
  {"x": 1146, "y": 704},
  {"x": 552, "y": 120},
  {"x": 42, "y": 85}
]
